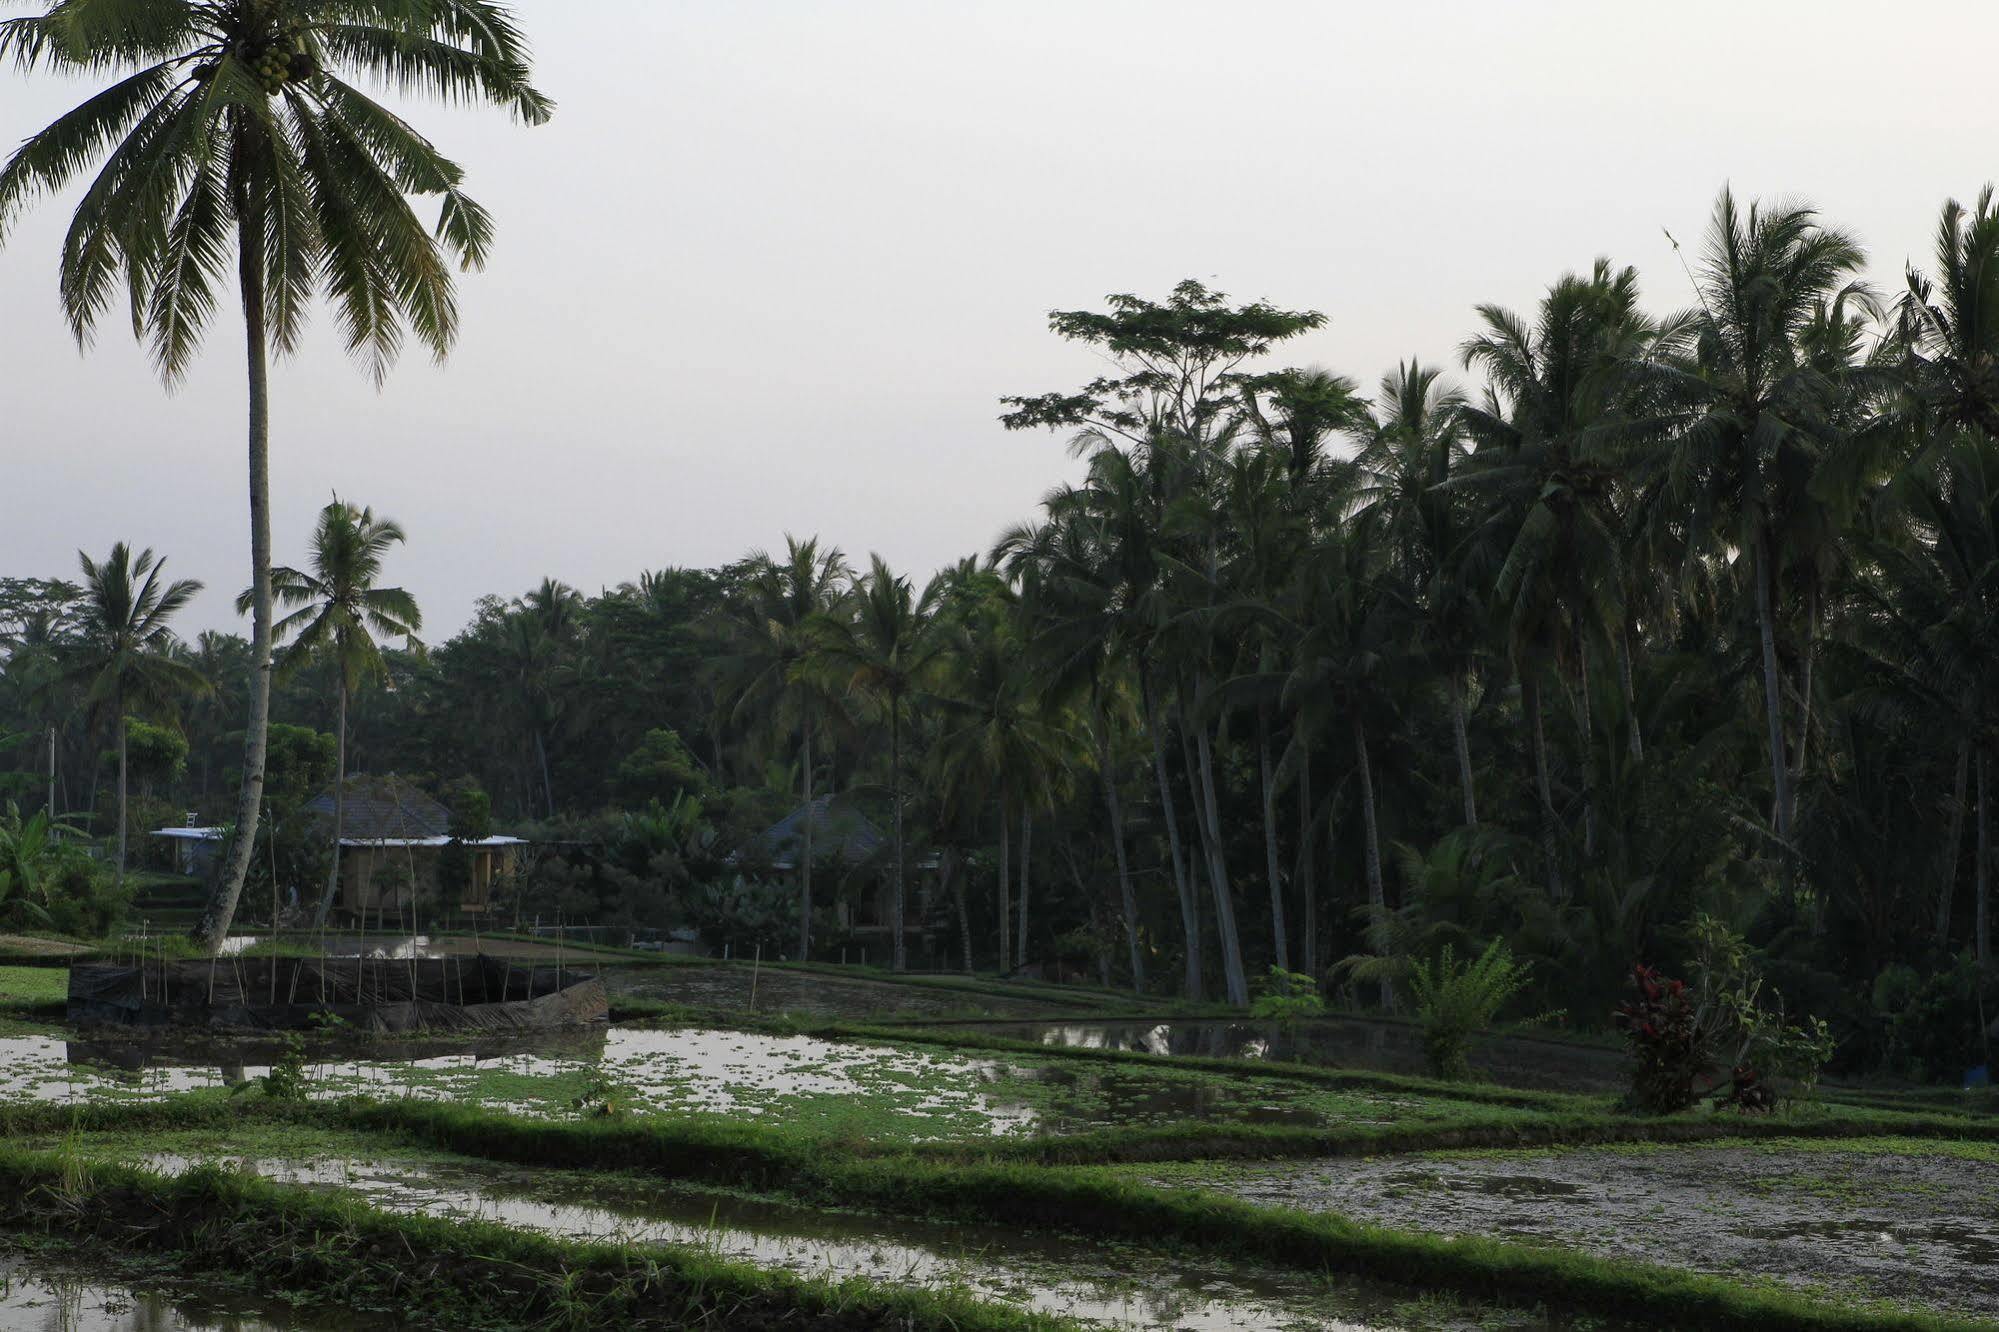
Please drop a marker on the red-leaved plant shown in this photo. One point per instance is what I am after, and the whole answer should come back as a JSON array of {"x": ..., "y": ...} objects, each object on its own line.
[{"x": 1669, "y": 1038}]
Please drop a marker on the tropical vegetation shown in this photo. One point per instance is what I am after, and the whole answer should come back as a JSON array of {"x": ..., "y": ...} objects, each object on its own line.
[
  {"x": 1633, "y": 619},
  {"x": 235, "y": 127}
]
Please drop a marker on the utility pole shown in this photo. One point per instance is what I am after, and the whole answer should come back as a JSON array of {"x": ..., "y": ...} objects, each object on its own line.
[{"x": 52, "y": 773}]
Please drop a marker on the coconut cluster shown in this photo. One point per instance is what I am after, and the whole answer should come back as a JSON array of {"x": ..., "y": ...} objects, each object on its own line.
[{"x": 276, "y": 65}]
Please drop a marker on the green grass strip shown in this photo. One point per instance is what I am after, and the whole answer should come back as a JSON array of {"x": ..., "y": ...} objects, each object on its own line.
[
  {"x": 1102, "y": 1204},
  {"x": 330, "y": 1249}
]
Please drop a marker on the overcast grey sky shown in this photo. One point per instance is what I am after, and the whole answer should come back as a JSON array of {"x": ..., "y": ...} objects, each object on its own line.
[{"x": 773, "y": 262}]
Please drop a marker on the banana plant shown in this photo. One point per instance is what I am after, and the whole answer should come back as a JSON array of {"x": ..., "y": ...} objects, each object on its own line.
[{"x": 29, "y": 849}]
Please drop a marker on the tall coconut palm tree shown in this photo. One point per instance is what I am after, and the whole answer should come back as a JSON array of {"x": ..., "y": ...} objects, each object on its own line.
[
  {"x": 1760, "y": 411},
  {"x": 1297, "y": 412},
  {"x": 1348, "y": 614},
  {"x": 998, "y": 735},
  {"x": 339, "y": 612},
  {"x": 223, "y": 660},
  {"x": 769, "y": 668},
  {"x": 1265, "y": 501},
  {"x": 1931, "y": 626},
  {"x": 539, "y": 634},
  {"x": 1413, "y": 446},
  {"x": 1069, "y": 595},
  {"x": 123, "y": 655},
  {"x": 1100, "y": 558},
  {"x": 232, "y": 125},
  {"x": 882, "y": 644},
  {"x": 1952, "y": 319},
  {"x": 1545, "y": 467}
]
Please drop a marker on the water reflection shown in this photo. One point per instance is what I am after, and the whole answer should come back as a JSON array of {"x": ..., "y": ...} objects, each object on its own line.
[
  {"x": 39, "y": 1293},
  {"x": 644, "y": 1070}
]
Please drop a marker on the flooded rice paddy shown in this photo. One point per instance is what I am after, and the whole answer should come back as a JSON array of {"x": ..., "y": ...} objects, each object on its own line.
[
  {"x": 1383, "y": 1046},
  {"x": 44, "y": 1292},
  {"x": 1105, "y": 1286},
  {"x": 1911, "y": 1221},
  {"x": 848, "y": 1088}
]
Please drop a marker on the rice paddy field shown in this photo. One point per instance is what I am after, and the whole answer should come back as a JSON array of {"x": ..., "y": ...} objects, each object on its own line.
[{"x": 761, "y": 1147}]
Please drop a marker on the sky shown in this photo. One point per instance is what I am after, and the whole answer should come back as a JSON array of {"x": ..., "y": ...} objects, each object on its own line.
[{"x": 773, "y": 262}]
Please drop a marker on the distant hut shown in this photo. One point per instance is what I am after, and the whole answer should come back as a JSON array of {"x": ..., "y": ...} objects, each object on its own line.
[
  {"x": 393, "y": 839},
  {"x": 847, "y": 848}
]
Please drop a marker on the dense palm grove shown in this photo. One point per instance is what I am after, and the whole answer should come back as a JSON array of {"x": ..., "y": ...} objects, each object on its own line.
[{"x": 1622, "y": 619}]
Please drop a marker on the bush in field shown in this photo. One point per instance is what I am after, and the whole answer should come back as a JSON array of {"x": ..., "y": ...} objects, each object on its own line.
[
  {"x": 1934, "y": 1026},
  {"x": 1716, "y": 1036},
  {"x": 1670, "y": 1041},
  {"x": 1288, "y": 996},
  {"x": 286, "y": 1080},
  {"x": 1455, "y": 1000}
]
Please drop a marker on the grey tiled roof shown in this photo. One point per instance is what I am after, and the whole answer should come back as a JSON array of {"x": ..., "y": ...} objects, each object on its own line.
[
  {"x": 839, "y": 832},
  {"x": 384, "y": 808}
]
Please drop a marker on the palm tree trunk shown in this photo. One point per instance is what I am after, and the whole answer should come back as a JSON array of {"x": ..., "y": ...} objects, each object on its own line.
[
  {"x": 1127, "y": 898},
  {"x": 1026, "y": 867},
  {"x": 899, "y": 951},
  {"x": 1308, "y": 871},
  {"x": 1981, "y": 878},
  {"x": 1588, "y": 724},
  {"x": 1208, "y": 813},
  {"x": 1280, "y": 941},
  {"x": 1462, "y": 741},
  {"x": 1773, "y": 715},
  {"x": 221, "y": 909},
  {"x": 1190, "y": 919},
  {"x": 1804, "y": 744},
  {"x": 332, "y": 891},
  {"x": 805, "y": 865},
  {"x": 96, "y": 771},
  {"x": 547, "y": 785},
  {"x": 1637, "y": 732},
  {"x": 951, "y": 870},
  {"x": 1005, "y": 886},
  {"x": 1953, "y": 846},
  {"x": 1377, "y": 891},
  {"x": 1537, "y": 740},
  {"x": 118, "y": 701}
]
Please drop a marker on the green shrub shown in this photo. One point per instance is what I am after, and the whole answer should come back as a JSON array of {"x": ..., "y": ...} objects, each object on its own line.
[
  {"x": 1288, "y": 996},
  {"x": 1934, "y": 1025},
  {"x": 286, "y": 1079},
  {"x": 1456, "y": 1000},
  {"x": 1715, "y": 1034}
]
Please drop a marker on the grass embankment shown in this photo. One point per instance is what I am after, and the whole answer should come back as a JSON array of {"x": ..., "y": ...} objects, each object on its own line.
[
  {"x": 34, "y": 992},
  {"x": 962, "y": 1183},
  {"x": 320, "y": 1248},
  {"x": 1316, "y": 1074}
]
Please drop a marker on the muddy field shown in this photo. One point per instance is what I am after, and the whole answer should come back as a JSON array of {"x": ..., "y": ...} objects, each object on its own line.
[
  {"x": 1122, "y": 1288},
  {"x": 1915, "y": 1222}
]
